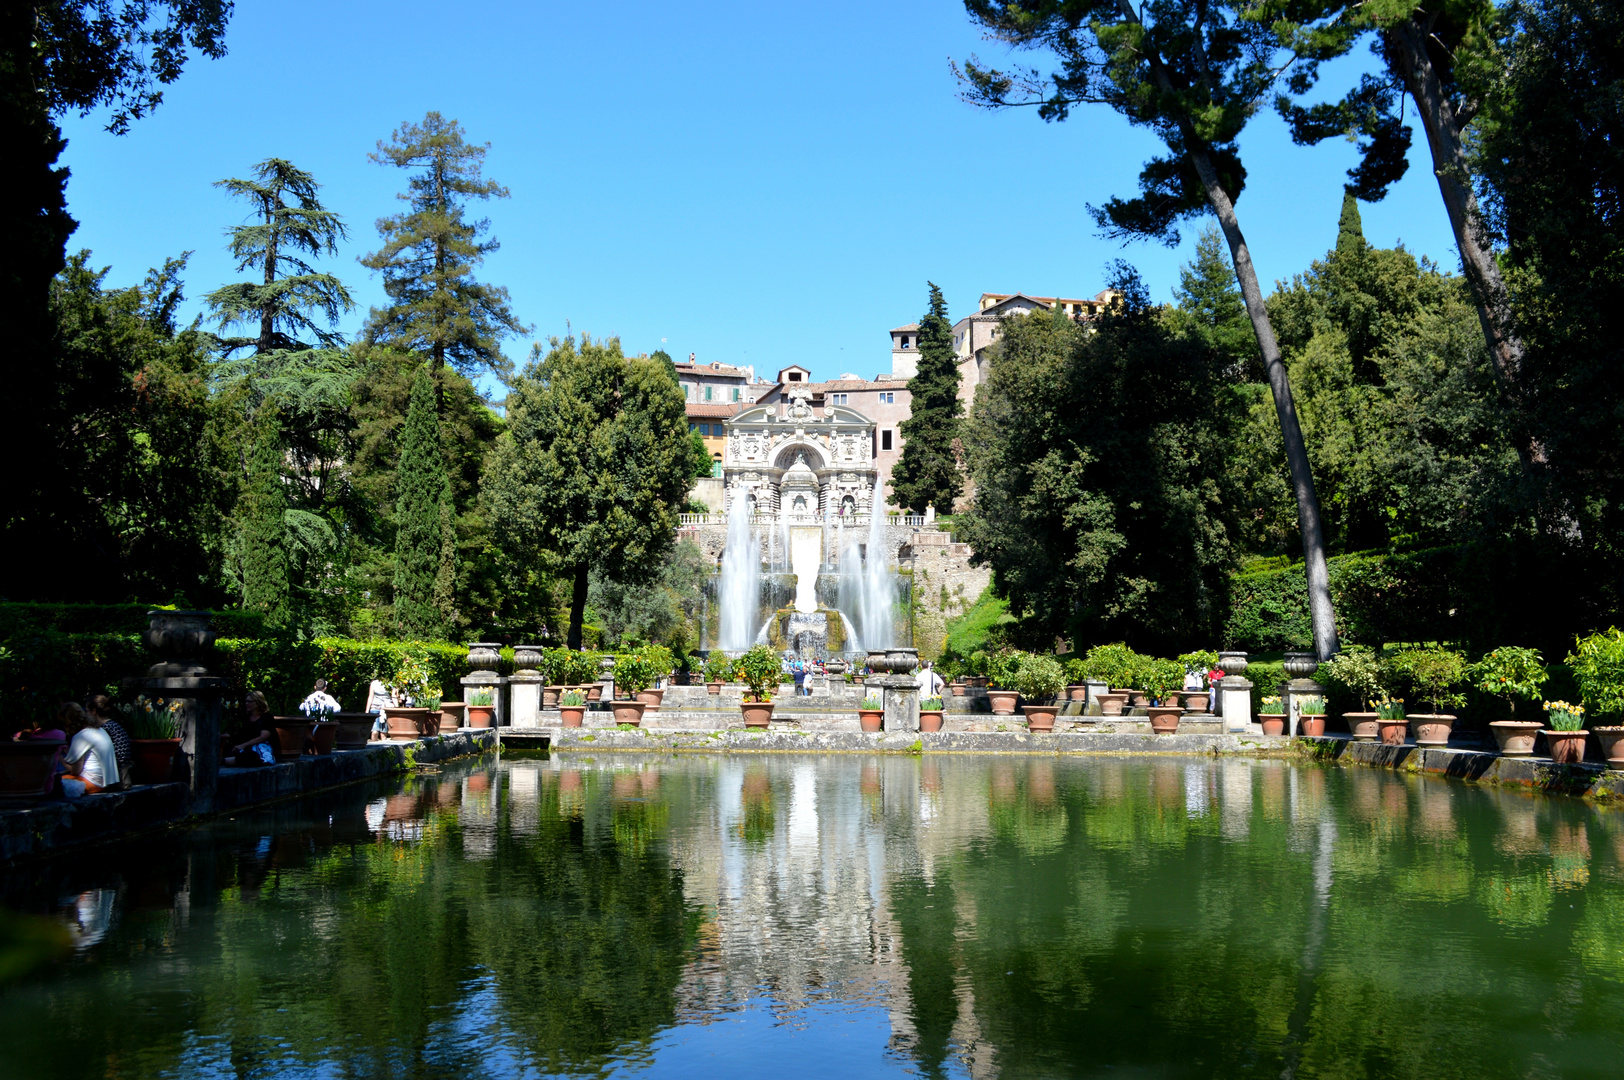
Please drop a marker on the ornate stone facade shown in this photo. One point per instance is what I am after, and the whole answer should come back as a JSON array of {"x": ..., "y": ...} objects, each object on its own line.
[{"x": 810, "y": 463}]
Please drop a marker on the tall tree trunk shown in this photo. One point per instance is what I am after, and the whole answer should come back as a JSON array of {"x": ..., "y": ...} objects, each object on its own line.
[
  {"x": 267, "y": 310},
  {"x": 1407, "y": 52},
  {"x": 577, "y": 607}
]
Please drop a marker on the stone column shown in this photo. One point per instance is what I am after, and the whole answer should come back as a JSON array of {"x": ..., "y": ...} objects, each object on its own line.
[
  {"x": 1299, "y": 665},
  {"x": 1236, "y": 691},
  {"x": 1095, "y": 689},
  {"x": 524, "y": 687},
  {"x": 180, "y": 638},
  {"x": 483, "y": 656}
]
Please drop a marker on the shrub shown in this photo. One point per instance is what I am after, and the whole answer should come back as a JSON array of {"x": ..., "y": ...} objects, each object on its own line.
[
  {"x": 1116, "y": 665},
  {"x": 1001, "y": 668},
  {"x": 718, "y": 667},
  {"x": 1598, "y": 668},
  {"x": 1159, "y": 678},
  {"x": 1201, "y": 661},
  {"x": 1509, "y": 673},
  {"x": 1077, "y": 671},
  {"x": 634, "y": 672},
  {"x": 759, "y": 668},
  {"x": 1429, "y": 674},
  {"x": 1036, "y": 678},
  {"x": 1358, "y": 671}
]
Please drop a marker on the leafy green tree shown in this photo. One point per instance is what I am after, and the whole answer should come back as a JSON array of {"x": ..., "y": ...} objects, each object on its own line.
[
  {"x": 423, "y": 527},
  {"x": 666, "y": 609},
  {"x": 594, "y": 468},
  {"x": 702, "y": 460},
  {"x": 429, "y": 254},
  {"x": 262, "y": 529},
  {"x": 1194, "y": 75},
  {"x": 927, "y": 473},
  {"x": 1210, "y": 305}
]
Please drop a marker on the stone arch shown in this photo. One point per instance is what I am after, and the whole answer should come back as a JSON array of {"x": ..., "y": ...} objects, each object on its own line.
[{"x": 816, "y": 458}]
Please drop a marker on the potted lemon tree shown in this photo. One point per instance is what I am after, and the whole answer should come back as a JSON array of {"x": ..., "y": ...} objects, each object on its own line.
[
  {"x": 1358, "y": 671},
  {"x": 1038, "y": 679},
  {"x": 1431, "y": 675},
  {"x": 1598, "y": 667},
  {"x": 760, "y": 671},
  {"x": 1511, "y": 674},
  {"x": 634, "y": 671}
]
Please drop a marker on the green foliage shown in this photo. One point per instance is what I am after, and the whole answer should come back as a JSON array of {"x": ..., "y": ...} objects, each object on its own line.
[
  {"x": 1429, "y": 674},
  {"x": 927, "y": 473},
  {"x": 482, "y": 698},
  {"x": 1358, "y": 671},
  {"x": 700, "y": 460},
  {"x": 1210, "y": 307},
  {"x": 1510, "y": 672},
  {"x": 980, "y": 627},
  {"x": 421, "y": 504},
  {"x": 1598, "y": 667},
  {"x": 429, "y": 254},
  {"x": 1389, "y": 709},
  {"x": 1035, "y": 678},
  {"x": 145, "y": 718},
  {"x": 284, "y": 668},
  {"x": 873, "y": 704},
  {"x": 571, "y": 667},
  {"x": 262, "y": 530},
  {"x": 634, "y": 672},
  {"x": 21, "y": 619},
  {"x": 1312, "y": 705},
  {"x": 931, "y": 704},
  {"x": 1161, "y": 677},
  {"x": 718, "y": 667},
  {"x": 1115, "y": 665},
  {"x": 759, "y": 669},
  {"x": 667, "y": 608},
  {"x": 1001, "y": 667},
  {"x": 1201, "y": 661},
  {"x": 572, "y": 699}
]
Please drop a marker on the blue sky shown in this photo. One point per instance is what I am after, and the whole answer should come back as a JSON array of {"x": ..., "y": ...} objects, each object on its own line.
[{"x": 757, "y": 184}]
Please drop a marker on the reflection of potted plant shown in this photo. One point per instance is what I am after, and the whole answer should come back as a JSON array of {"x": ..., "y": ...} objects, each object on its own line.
[
  {"x": 1038, "y": 679},
  {"x": 1270, "y": 716},
  {"x": 1598, "y": 667},
  {"x": 571, "y": 708},
  {"x": 718, "y": 669},
  {"x": 481, "y": 706},
  {"x": 633, "y": 674},
  {"x": 930, "y": 714},
  {"x": 1431, "y": 673},
  {"x": 1510, "y": 673},
  {"x": 1358, "y": 671},
  {"x": 1566, "y": 734},
  {"x": 760, "y": 671},
  {"x": 1391, "y": 724},
  {"x": 871, "y": 714},
  {"x": 154, "y": 739},
  {"x": 1311, "y": 716}
]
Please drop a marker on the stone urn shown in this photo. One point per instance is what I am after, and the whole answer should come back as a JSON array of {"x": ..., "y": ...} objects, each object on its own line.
[
  {"x": 1515, "y": 738},
  {"x": 1040, "y": 718},
  {"x": 893, "y": 661},
  {"x": 1301, "y": 665},
  {"x": 1232, "y": 663},
  {"x": 1164, "y": 719},
  {"x": 1612, "y": 745},
  {"x": 484, "y": 656},
  {"x": 1567, "y": 747},
  {"x": 1113, "y": 703},
  {"x": 1430, "y": 729},
  {"x": 1362, "y": 725},
  {"x": 1002, "y": 701},
  {"x": 526, "y": 659},
  {"x": 180, "y": 637}
]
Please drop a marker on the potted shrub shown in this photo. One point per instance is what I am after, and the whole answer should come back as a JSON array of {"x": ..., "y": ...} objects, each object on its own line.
[
  {"x": 1391, "y": 724},
  {"x": 571, "y": 707},
  {"x": 930, "y": 714},
  {"x": 1311, "y": 716},
  {"x": 154, "y": 739},
  {"x": 580, "y": 668},
  {"x": 660, "y": 663},
  {"x": 1598, "y": 668},
  {"x": 718, "y": 669},
  {"x": 1162, "y": 680},
  {"x": 1430, "y": 674},
  {"x": 481, "y": 707},
  {"x": 1038, "y": 679},
  {"x": 1270, "y": 716},
  {"x": 1001, "y": 669},
  {"x": 759, "y": 669},
  {"x": 1077, "y": 679},
  {"x": 1358, "y": 671},
  {"x": 1566, "y": 732},
  {"x": 871, "y": 714},
  {"x": 1510, "y": 673},
  {"x": 634, "y": 672}
]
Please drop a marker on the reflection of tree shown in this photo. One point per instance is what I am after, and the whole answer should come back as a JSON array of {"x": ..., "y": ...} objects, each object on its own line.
[{"x": 755, "y": 825}]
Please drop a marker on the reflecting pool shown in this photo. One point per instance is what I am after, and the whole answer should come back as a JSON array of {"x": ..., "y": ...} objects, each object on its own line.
[{"x": 806, "y": 915}]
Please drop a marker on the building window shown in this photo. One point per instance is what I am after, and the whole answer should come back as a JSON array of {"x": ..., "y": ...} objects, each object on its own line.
[
  {"x": 692, "y": 426},
  {"x": 704, "y": 429},
  {"x": 795, "y": 376},
  {"x": 707, "y": 393},
  {"x": 885, "y": 439},
  {"x": 904, "y": 341},
  {"x": 735, "y": 393},
  {"x": 888, "y": 397},
  {"x": 837, "y": 399}
]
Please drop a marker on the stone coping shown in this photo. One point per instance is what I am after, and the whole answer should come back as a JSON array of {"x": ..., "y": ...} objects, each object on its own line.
[
  {"x": 789, "y": 740},
  {"x": 1591, "y": 780},
  {"x": 44, "y": 828}
]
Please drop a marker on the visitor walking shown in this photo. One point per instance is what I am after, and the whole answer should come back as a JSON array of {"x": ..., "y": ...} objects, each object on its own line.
[{"x": 798, "y": 671}]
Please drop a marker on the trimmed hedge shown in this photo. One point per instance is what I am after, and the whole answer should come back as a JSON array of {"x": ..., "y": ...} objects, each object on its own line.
[
  {"x": 20, "y": 619},
  {"x": 285, "y": 670}
]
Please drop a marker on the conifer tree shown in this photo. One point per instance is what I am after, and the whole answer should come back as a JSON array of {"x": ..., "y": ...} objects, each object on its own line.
[
  {"x": 421, "y": 520},
  {"x": 429, "y": 254},
  {"x": 927, "y": 474},
  {"x": 262, "y": 540},
  {"x": 1350, "y": 228}
]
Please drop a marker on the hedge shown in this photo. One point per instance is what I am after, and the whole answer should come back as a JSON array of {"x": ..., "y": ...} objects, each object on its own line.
[{"x": 21, "y": 619}]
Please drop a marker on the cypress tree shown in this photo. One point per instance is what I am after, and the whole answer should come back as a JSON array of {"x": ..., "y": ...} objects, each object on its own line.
[
  {"x": 422, "y": 487},
  {"x": 1350, "y": 232},
  {"x": 262, "y": 529},
  {"x": 927, "y": 474}
]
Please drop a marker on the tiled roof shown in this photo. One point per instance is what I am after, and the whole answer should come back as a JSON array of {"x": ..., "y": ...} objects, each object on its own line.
[
  {"x": 714, "y": 370},
  {"x": 905, "y": 329},
  {"x": 712, "y": 410}
]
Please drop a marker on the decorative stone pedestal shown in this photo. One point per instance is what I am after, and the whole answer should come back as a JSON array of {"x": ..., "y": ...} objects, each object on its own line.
[
  {"x": 482, "y": 660},
  {"x": 1299, "y": 665},
  {"x": 524, "y": 687},
  {"x": 180, "y": 637},
  {"x": 1235, "y": 692},
  {"x": 899, "y": 690}
]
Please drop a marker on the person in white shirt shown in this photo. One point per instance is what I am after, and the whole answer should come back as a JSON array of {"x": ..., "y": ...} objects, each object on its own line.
[
  {"x": 320, "y": 700},
  {"x": 378, "y": 699},
  {"x": 92, "y": 762},
  {"x": 934, "y": 684}
]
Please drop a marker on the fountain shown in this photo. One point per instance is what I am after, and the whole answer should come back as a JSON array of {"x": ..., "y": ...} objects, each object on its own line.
[{"x": 741, "y": 579}]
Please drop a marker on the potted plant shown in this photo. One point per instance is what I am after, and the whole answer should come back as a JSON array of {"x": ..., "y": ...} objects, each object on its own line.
[
  {"x": 571, "y": 708},
  {"x": 930, "y": 714},
  {"x": 430, "y": 724},
  {"x": 1430, "y": 674},
  {"x": 451, "y": 716},
  {"x": 1001, "y": 668},
  {"x": 1598, "y": 668},
  {"x": 1390, "y": 721},
  {"x": 1566, "y": 732},
  {"x": 871, "y": 714},
  {"x": 1038, "y": 679},
  {"x": 1077, "y": 679},
  {"x": 1311, "y": 716},
  {"x": 1510, "y": 673},
  {"x": 718, "y": 669},
  {"x": 1270, "y": 716},
  {"x": 579, "y": 668},
  {"x": 634, "y": 672},
  {"x": 759, "y": 669},
  {"x": 1358, "y": 671},
  {"x": 154, "y": 739},
  {"x": 552, "y": 669},
  {"x": 660, "y": 662},
  {"x": 481, "y": 707}
]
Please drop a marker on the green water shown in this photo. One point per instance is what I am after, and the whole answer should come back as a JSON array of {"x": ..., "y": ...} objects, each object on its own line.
[{"x": 804, "y": 916}]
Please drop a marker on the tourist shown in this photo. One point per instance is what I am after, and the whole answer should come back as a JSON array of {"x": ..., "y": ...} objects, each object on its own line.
[
  {"x": 258, "y": 746},
  {"x": 379, "y": 698},
  {"x": 320, "y": 701},
  {"x": 36, "y": 732},
  {"x": 933, "y": 682},
  {"x": 102, "y": 706},
  {"x": 798, "y": 670},
  {"x": 92, "y": 763}
]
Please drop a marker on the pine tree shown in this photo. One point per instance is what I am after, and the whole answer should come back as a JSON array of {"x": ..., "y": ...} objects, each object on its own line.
[
  {"x": 1208, "y": 297},
  {"x": 429, "y": 254},
  {"x": 927, "y": 474},
  {"x": 262, "y": 540},
  {"x": 422, "y": 490}
]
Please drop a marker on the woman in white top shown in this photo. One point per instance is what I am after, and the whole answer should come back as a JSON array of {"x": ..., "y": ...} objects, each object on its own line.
[{"x": 92, "y": 761}]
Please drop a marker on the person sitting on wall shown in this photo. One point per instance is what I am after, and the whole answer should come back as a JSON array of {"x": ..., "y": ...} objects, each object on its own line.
[
  {"x": 102, "y": 706},
  {"x": 257, "y": 746},
  {"x": 378, "y": 699},
  {"x": 92, "y": 763}
]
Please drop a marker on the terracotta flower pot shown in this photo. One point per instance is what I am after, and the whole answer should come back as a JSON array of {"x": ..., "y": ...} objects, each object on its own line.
[
  {"x": 594, "y": 691},
  {"x": 651, "y": 699},
  {"x": 1139, "y": 698},
  {"x": 293, "y": 731},
  {"x": 1392, "y": 732},
  {"x": 1311, "y": 726},
  {"x": 1003, "y": 702},
  {"x": 1164, "y": 719},
  {"x": 1361, "y": 725},
  {"x": 1273, "y": 723},
  {"x": 1196, "y": 701},
  {"x": 570, "y": 715},
  {"x": 354, "y": 730},
  {"x": 1113, "y": 703},
  {"x": 930, "y": 719},
  {"x": 152, "y": 761},
  {"x": 1612, "y": 745},
  {"x": 403, "y": 726},
  {"x": 1040, "y": 717},
  {"x": 28, "y": 768},
  {"x": 452, "y": 714},
  {"x": 870, "y": 719},
  {"x": 1077, "y": 693},
  {"x": 1430, "y": 729},
  {"x": 479, "y": 716},
  {"x": 1567, "y": 747},
  {"x": 1515, "y": 738},
  {"x": 713, "y": 688},
  {"x": 326, "y": 736},
  {"x": 959, "y": 689},
  {"x": 757, "y": 714},
  {"x": 628, "y": 712},
  {"x": 550, "y": 696}
]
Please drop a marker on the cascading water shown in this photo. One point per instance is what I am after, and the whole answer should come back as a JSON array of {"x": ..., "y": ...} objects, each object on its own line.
[
  {"x": 740, "y": 587},
  {"x": 879, "y": 585}
]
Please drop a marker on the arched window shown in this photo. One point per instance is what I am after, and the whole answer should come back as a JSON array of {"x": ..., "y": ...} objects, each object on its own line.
[{"x": 800, "y": 504}]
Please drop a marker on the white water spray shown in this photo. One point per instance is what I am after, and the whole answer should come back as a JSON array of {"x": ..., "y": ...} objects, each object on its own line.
[{"x": 740, "y": 587}]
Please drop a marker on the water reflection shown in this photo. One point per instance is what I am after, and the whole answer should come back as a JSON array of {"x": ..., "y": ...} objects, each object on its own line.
[{"x": 937, "y": 916}]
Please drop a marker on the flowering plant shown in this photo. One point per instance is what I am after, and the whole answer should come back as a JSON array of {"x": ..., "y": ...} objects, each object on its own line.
[
  {"x": 1312, "y": 705},
  {"x": 149, "y": 719},
  {"x": 572, "y": 699},
  {"x": 1564, "y": 717},
  {"x": 872, "y": 704},
  {"x": 1270, "y": 703},
  {"x": 1390, "y": 709}
]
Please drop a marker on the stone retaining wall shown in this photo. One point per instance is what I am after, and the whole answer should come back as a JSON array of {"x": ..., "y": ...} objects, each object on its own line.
[
  {"x": 586, "y": 740},
  {"x": 1587, "y": 780}
]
